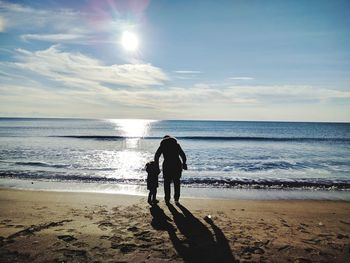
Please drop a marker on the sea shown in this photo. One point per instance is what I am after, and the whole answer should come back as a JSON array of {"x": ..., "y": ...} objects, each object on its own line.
[{"x": 226, "y": 159}]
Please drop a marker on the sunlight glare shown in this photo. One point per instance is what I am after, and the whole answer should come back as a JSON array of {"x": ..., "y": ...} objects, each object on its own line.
[
  {"x": 132, "y": 127},
  {"x": 130, "y": 41}
]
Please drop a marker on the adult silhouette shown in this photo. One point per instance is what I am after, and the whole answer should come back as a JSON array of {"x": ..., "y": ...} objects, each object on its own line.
[{"x": 172, "y": 165}]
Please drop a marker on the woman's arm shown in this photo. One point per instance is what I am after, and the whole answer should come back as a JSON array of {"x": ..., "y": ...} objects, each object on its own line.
[
  {"x": 157, "y": 155},
  {"x": 183, "y": 157}
]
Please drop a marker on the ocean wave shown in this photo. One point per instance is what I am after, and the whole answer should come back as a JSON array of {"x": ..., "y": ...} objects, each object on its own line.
[
  {"x": 235, "y": 183},
  {"x": 41, "y": 164},
  {"x": 252, "y": 166},
  {"x": 236, "y": 166},
  {"x": 50, "y": 165},
  {"x": 209, "y": 138}
]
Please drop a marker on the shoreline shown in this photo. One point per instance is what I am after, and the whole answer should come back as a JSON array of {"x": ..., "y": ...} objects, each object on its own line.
[
  {"x": 186, "y": 191},
  {"x": 85, "y": 227}
]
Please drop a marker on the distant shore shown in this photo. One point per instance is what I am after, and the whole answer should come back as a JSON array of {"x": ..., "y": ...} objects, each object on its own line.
[{"x": 38, "y": 226}]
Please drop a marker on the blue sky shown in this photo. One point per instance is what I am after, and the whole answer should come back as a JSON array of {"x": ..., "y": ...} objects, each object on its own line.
[{"x": 232, "y": 60}]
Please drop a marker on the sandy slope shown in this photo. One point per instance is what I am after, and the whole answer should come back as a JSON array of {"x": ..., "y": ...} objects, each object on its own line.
[{"x": 81, "y": 227}]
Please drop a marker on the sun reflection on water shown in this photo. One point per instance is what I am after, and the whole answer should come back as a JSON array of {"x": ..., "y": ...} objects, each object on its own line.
[
  {"x": 124, "y": 164},
  {"x": 127, "y": 161},
  {"x": 132, "y": 130},
  {"x": 132, "y": 127}
]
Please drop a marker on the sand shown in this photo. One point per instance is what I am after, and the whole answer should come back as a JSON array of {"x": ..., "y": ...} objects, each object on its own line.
[{"x": 86, "y": 227}]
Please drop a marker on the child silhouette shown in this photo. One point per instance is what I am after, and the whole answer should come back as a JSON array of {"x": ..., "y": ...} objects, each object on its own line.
[{"x": 153, "y": 171}]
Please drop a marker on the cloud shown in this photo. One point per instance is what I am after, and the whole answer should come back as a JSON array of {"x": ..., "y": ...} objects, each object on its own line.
[
  {"x": 12, "y": 7},
  {"x": 54, "y": 37},
  {"x": 2, "y": 24},
  {"x": 81, "y": 71},
  {"x": 241, "y": 78},
  {"x": 287, "y": 94},
  {"x": 24, "y": 17},
  {"x": 55, "y": 82},
  {"x": 203, "y": 102},
  {"x": 187, "y": 71},
  {"x": 57, "y": 25},
  {"x": 62, "y": 25}
]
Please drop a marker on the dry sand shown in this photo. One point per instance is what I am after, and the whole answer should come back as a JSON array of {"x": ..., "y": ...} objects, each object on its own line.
[{"x": 85, "y": 227}]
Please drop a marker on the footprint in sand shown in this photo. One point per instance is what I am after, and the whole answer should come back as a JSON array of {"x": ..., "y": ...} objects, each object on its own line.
[
  {"x": 76, "y": 255},
  {"x": 144, "y": 236},
  {"x": 344, "y": 222},
  {"x": 124, "y": 247},
  {"x": 302, "y": 260},
  {"x": 284, "y": 247},
  {"x": 309, "y": 250},
  {"x": 302, "y": 229},
  {"x": 103, "y": 225},
  {"x": 40, "y": 208},
  {"x": 284, "y": 223},
  {"x": 341, "y": 236},
  {"x": 116, "y": 209},
  {"x": 114, "y": 239},
  {"x": 67, "y": 238},
  {"x": 133, "y": 229},
  {"x": 80, "y": 244},
  {"x": 312, "y": 241},
  {"x": 89, "y": 217}
]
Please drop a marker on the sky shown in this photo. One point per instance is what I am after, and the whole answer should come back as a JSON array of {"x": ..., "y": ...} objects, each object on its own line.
[{"x": 220, "y": 60}]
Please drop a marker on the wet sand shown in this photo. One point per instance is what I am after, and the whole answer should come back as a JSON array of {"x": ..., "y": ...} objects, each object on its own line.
[{"x": 86, "y": 227}]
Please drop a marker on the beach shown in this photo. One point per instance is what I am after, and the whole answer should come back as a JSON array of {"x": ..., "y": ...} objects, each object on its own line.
[
  {"x": 174, "y": 131},
  {"x": 47, "y": 226}
]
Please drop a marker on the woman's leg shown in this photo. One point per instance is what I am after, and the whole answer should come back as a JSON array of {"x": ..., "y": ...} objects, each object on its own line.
[
  {"x": 167, "y": 189},
  {"x": 154, "y": 195},
  {"x": 176, "y": 189},
  {"x": 149, "y": 197}
]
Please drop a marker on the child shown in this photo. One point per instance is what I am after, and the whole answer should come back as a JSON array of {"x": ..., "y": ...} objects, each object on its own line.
[{"x": 153, "y": 171}]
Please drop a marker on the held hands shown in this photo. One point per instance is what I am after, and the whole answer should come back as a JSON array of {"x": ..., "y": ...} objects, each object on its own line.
[{"x": 184, "y": 166}]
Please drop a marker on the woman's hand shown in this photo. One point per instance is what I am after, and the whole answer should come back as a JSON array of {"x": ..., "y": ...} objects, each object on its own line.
[{"x": 184, "y": 166}]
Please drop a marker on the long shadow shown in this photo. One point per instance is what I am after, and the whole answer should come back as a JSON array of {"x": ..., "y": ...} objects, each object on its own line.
[
  {"x": 161, "y": 221},
  {"x": 199, "y": 244}
]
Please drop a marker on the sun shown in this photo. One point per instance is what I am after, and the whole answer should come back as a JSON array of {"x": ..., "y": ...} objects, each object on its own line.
[{"x": 130, "y": 41}]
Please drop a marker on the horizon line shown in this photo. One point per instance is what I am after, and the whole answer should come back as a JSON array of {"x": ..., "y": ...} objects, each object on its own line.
[{"x": 219, "y": 120}]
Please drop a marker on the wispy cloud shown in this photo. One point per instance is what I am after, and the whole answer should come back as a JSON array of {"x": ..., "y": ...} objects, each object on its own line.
[
  {"x": 2, "y": 24},
  {"x": 54, "y": 37},
  {"x": 56, "y": 25},
  {"x": 187, "y": 71},
  {"x": 74, "y": 69},
  {"x": 25, "y": 17},
  {"x": 230, "y": 103},
  {"x": 56, "y": 81},
  {"x": 241, "y": 78},
  {"x": 81, "y": 71},
  {"x": 71, "y": 83},
  {"x": 80, "y": 85}
]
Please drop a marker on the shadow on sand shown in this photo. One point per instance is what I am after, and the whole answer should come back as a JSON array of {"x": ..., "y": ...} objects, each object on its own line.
[{"x": 200, "y": 244}]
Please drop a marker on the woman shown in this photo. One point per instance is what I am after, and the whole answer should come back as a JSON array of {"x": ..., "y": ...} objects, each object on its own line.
[{"x": 172, "y": 165}]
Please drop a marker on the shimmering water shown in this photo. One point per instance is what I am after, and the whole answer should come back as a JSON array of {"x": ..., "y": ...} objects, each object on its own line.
[{"x": 221, "y": 154}]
